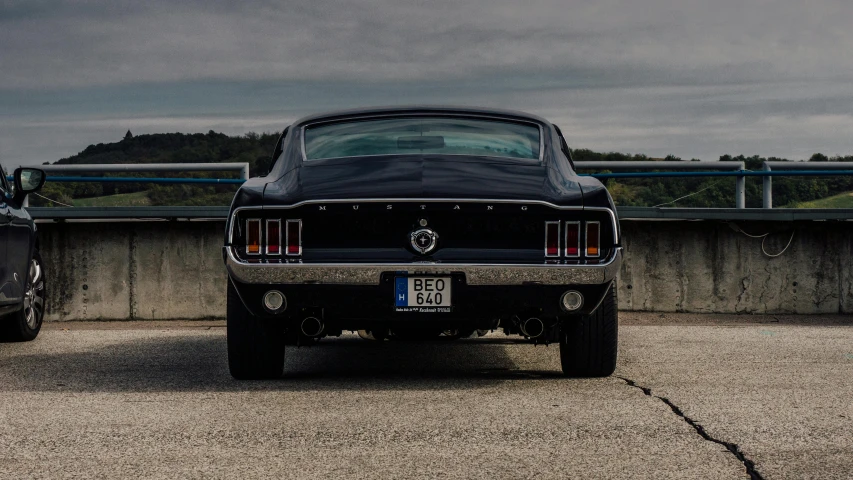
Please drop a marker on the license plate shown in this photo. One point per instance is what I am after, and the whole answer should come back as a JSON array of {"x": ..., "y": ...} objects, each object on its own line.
[{"x": 422, "y": 294}]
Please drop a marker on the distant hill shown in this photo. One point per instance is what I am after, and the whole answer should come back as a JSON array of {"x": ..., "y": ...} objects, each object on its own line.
[
  {"x": 256, "y": 150},
  {"x": 212, "y": 147},
  {"x": 843, "y": 200},
  {"x": 252, "y": 148}
]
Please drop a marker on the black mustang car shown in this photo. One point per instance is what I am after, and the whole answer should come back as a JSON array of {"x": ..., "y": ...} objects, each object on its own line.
[
  {"x": 409, "y": 222},
  {"x": 22, "y": 285}
]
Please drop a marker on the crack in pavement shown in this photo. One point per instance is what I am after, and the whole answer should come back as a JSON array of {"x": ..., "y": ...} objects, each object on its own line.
[{"x": 733, "y": 448}]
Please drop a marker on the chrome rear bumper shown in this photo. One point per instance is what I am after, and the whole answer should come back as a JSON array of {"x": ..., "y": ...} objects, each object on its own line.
[{"x": 370, "y": 274}]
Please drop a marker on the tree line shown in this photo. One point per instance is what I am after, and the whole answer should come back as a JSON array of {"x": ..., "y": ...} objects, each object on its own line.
[
  {"x": 256, "y": 150},
  {"x": 717, "y": 192}
]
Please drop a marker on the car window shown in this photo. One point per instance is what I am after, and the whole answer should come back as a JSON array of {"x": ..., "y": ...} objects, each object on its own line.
[{"x": 419, "y": 135}]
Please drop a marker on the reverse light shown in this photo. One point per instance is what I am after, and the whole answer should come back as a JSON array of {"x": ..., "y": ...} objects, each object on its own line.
[
  {"x": 274, "y": 301},
  {"x": 593, "y": 230},
  {"x": 273, "y": 237},
  {"x": 253, "y": 236},
  {"x": 571, "y": 301},
  {"x": 573, "y": 239},
  {"x": 294, "y": 237},
  {"x": 552, "y": 239}
]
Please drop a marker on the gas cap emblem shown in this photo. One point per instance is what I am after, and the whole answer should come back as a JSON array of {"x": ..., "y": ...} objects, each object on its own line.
[{"x": 424, "y": 240}]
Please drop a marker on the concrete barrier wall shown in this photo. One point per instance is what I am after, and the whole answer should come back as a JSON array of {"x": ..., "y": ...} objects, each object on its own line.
[
  {"x": 708, "y": 267},
  {"x": 174, "y": 270},
  {"x": 134, "y": 270}
]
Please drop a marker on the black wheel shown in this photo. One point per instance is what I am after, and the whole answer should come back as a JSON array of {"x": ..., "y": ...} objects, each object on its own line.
[
  {"x": 588, "y": 345},
  {"x": 255, "y": 345},
  {"x": 25, "y": 324}
]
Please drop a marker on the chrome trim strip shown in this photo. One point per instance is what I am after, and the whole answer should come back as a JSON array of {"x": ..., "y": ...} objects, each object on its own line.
[
  {"x": 566, "y": 240},
  {"x": 260, "y": 235},
  {"x": 370, "y": 274},
  {"x": 614, "y": 221},
  {"x": 425, "y": 200},
  {"x": 287, "y": 225},
  {"x": 546, "y": 239},
  {"x": 586, "y": 240},
  {"x": 269, "y": 221}
]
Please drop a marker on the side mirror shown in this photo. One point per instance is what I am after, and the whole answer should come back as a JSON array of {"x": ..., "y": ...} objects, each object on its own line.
[{"x": 27, "y": 180}]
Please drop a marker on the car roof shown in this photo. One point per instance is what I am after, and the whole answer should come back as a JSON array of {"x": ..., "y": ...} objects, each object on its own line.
[{"x": 419, "y": 109}]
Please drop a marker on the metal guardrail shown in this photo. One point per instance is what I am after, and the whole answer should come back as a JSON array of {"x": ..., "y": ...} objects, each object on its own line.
[
  {"x": 801, "y": 168},
  {"x": 220, "y": 213},
  {"x": 736, "y": 214},
  {"x": 241, "y": 167},
  {"x": 697, "y": 169},
  {"x": 128, "y": 213},
  {"x": 768, "y": 170},
  {"x": 207, "y": 181},
  {"x": 740, "y": 183}
]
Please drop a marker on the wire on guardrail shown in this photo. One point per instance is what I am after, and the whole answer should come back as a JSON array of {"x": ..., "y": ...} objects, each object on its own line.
[
  {"x": 52, "y": 200},
  {"x": 763, "y": 238},
  {"x": 686, "y": 196},
  {"x": 783, "y": 250}
]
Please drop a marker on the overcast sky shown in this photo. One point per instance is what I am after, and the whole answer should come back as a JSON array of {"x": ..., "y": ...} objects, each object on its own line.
[{"x": 689, "y": 78}]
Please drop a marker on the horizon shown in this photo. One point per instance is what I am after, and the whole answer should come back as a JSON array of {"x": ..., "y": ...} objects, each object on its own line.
[{"x": 649, "y": 157}]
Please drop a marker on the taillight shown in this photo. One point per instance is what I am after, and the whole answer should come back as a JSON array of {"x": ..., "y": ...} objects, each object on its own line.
[
  {"x": 552, "y": 239},
  {"x": 294, "y": 237},
  {"x": 573, "y": 239},
  {"x": 592, "y": 239},
  {"x": 253, "y": 236},
  {"x": 273, "y": 237}
]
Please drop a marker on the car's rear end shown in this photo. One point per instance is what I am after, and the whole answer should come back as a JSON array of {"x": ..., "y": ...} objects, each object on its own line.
[
  {"x": 345, "y": 261},
  {"x": 479, "y": 242}
]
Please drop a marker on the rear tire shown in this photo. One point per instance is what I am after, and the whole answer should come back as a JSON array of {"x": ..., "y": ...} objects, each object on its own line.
[
  {"x": 25, "y": 324},
  {"x": 255, "y": 345},
  {"x": 588, "y": 346}
]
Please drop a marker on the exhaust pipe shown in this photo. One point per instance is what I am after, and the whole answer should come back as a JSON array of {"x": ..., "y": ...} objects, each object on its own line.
[
  {"x": 312, "y": 327},
  {"x": 532, "y": 327}
]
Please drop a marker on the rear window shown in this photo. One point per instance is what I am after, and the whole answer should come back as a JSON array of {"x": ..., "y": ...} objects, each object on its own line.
[{"x": 420, "y": 135}]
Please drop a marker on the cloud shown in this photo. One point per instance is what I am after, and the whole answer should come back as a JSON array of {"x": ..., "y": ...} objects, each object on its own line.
[
  {"x": 60, "y": 44},
  {"x": 688, "y": 77}
]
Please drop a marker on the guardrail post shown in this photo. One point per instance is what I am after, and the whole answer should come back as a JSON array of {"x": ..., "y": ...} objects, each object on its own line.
[
  {"x": 766, "y": 188},
  {"x": 740, "y": 189},
  {"x": 244, "y": 172}
]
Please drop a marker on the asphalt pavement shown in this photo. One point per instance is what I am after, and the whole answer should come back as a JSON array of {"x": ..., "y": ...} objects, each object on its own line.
[{"x": 693, "y": 397}]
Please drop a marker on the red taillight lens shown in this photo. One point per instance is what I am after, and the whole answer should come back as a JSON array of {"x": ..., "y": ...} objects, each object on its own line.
[
  {"x": 573, "y": 239},
  {"x": 253, "y": 236},
  {"x": 592, "y": 239},
  {"x": 294, "y": 237},
  {"x": 273, "y": 237},
  {"x": 552, "y": 239}
]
